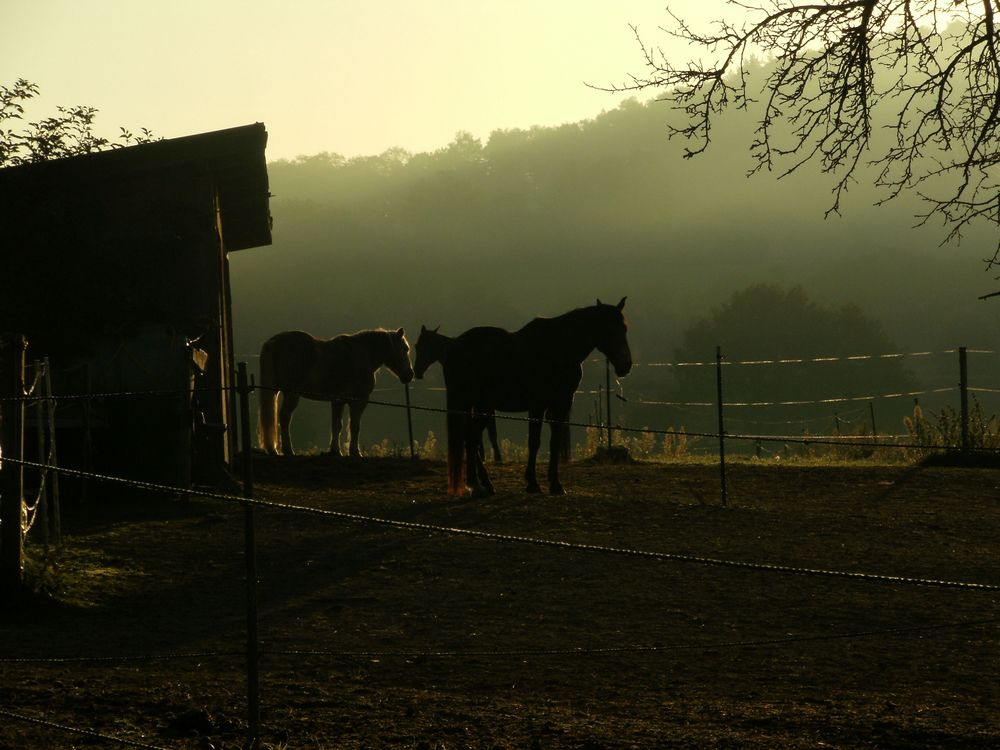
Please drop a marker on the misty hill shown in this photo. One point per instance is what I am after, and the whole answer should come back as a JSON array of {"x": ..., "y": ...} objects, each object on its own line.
[{"x": 540, "y": 221}]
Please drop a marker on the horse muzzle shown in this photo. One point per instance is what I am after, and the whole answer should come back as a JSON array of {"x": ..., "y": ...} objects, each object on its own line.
[
  {"x": 623, "y": 370},
  {"x": 622, "y": 364}
]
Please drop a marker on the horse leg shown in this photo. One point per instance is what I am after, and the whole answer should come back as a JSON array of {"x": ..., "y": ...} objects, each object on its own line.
[
  {"x": 267, "y": 421},
  {"x": 558, "y": 429},
  {"x": 478, "y": 476},
  {"x": 534, "y": 443},
  {"x": 491, "y": 429},
  {"x": 288, "y": 403},
  {"x": 356, "y": 408},
  {"x": 484, "y": 476},
  {"x": 336, "y": 425},
  {"x": 456, "y": 426}
]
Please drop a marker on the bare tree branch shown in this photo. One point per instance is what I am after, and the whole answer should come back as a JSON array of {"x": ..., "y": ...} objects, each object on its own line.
[{"x": 834, "y": 68}]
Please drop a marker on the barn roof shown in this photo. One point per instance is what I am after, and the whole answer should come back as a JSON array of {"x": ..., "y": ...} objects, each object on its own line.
[{"x": 233, "y": 158}]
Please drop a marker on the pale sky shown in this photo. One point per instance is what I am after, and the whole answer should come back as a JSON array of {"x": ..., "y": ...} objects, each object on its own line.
[{"x": 352, "y": 77}]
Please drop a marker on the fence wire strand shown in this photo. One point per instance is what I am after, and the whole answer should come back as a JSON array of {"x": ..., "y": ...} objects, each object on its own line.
[
  {"x": 76, "y": 730},
  {"x": 526, "y": 540}
]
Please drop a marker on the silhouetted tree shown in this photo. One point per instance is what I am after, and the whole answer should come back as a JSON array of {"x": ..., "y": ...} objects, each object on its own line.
[
  {"x": 932, "y": 65},
  {"x": 765, "y": 322},
  {"x": 68, "y": 133}
]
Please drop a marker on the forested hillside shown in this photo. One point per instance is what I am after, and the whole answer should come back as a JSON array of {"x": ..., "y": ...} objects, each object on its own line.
[{"x": 536, "y": 222}]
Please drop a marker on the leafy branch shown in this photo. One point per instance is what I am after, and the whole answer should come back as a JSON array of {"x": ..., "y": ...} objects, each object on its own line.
[{"x": 68, "y": 133}]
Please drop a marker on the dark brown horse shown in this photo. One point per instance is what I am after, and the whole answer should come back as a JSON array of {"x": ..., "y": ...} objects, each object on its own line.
[
  {"x": 536, "y": 369},
  {"x": 432, "y": 347},
  {"x": 340, "y": 370}
]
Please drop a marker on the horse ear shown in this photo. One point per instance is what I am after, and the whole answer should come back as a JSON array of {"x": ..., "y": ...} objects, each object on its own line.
[
  {"x": 423, "y": 328},
  {"x": 436, "y": 328},
  {"x": 400, "y": 333},
  {"x": 622, "y": 303},
  {"x": 599, "y": 301}
]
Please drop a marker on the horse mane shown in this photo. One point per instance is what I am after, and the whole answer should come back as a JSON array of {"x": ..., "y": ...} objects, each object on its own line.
[
  {"x": 541, "y": 322},
  {"x": 367, "y": 333},
  {"x": 369, "y": 338}
]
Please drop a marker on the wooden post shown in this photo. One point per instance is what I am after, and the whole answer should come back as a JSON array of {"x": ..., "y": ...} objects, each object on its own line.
[
  {"x": 871, "y": 410},
  {"x": 409, "y": 420},
  {"x": 88, "y": 437},
  {"x": 42, "y": 512},
  {"x": 722, "y": 426},
  {"x": 50, "y": 410},
  {"x": 963, "y": 388},
  {"x": 250, "y": 556},
  {"x": 12, "y": 349}
]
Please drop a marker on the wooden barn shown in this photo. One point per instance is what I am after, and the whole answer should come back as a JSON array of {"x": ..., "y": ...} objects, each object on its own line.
[{"x": 115, "y": 267}]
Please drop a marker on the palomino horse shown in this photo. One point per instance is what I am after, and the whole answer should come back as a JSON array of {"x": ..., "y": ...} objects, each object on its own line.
[
  {"x": 536, "y": 369},
  {"x": 340, "y": 370},
  {"x": 433, "y": 347}
]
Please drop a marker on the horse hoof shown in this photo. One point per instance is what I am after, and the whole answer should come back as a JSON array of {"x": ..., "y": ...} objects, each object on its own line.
[
  {"x": 557, "y": 489},
  {"x": 533, "y": 489},
  {"x": 482, "y": 492}
]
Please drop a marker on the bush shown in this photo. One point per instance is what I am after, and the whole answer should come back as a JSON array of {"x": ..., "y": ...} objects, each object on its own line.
[{"x": 944, "y": 430}]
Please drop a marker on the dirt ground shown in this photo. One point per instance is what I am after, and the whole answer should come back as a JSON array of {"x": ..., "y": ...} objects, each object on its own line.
[{"x": 375, "y": 636}]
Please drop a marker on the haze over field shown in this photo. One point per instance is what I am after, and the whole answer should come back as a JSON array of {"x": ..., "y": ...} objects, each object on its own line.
[{"x": 445, "y": 164}]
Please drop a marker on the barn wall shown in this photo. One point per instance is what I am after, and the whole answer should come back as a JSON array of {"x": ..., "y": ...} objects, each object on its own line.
[
  {"x": 123, "y": 276},
  {"x": 124, "y": 252}
]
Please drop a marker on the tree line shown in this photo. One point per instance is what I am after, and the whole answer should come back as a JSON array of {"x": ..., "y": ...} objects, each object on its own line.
[{"x": 539, "y": 221}]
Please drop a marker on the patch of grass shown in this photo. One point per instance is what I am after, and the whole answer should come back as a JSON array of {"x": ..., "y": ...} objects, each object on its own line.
[{"x": 74, "y": 576}]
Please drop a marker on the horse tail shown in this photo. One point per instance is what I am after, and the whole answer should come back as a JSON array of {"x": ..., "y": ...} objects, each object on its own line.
[
  {"x": 268, "y": 409},
  {"x": 456, "y": 451}
]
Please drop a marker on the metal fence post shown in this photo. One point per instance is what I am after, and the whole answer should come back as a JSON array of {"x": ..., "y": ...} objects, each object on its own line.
[
  {"x": 963, "y": 387},
  {"x": 409, "y": 419},
  {"x": 42, "y": 512},
  {"x": 607, "y": 381},
  {"x": 722, "y": 425},
  {"x": 250, "y": 555},
  {"x": 53, "y": 479}
]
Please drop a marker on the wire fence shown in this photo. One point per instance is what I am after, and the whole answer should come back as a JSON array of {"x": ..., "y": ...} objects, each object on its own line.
[
  {"x": 606, "y": 419},
  {"x": 616, "y": 408},
  {"x": 255, "y": 649}
]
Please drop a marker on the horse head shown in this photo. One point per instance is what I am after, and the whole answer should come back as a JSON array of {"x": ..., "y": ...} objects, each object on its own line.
[
  {"x": 399, "y": 356},
  {"x": 612, "y": 340},
  {"x": 427, "y": 352}
]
